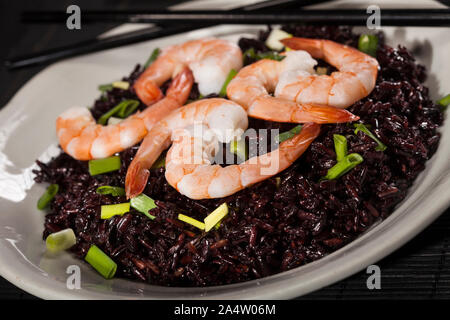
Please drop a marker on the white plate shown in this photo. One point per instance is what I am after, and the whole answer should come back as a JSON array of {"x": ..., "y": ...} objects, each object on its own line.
[{"x": 27, "y": 132}]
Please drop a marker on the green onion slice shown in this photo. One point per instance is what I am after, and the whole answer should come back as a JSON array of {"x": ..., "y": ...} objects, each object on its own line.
[
  {"x": 216, "y": 216},
  {"x": 124, "y": 85},
  {"x": 101, "y": 262},
  {"x": 239, "y": 147},
  {"x": 111, "y": 210},
  {"x": 368, "y": 43},
  {"x": 48, "y": 196},
  {"x": 360, "y": 127},
  {"x": 288, "y": 134},
  {"x": 100, "y": 166},
  {"x": 122, "y": 110},
  {"x": 230, "y": 76},
  {"x": 445, "y": 101},
  {"x": 191, "y": 221},
  {"x": 340, "y": 146},
  {"x": 153, "y": 56},
  {"x": 343, "y": 166},
  {"x": 143, "y": 204},
  {"x": 272, "y": 55},
  {"x": 105, "y": 87},
  {"x": 61, "y": 240},
  {"x": 114, "y": 191}
]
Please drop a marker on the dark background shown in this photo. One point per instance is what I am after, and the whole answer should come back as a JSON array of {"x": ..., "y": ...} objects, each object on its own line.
[{"x": 419, "y": 270}]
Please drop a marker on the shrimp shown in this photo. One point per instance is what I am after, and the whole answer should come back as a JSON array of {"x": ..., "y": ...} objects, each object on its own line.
[
  {"x": 225, "y": 118},
  {"x": 83, "y": 139},
  {"x": 209, "y": 59},
  {"x": 193, "y": 175},
  {"x": 354, "y": 80},
  {"x": 253, "y": 84}
]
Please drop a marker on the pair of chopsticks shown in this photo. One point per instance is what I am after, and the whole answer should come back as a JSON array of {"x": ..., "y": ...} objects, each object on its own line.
[
  {"x": 181, "y": 21},
  {"x": 165, "y": 28}
]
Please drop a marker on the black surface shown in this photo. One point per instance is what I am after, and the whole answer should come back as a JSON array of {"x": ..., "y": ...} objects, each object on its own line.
[{"x": 419, "y": 270}]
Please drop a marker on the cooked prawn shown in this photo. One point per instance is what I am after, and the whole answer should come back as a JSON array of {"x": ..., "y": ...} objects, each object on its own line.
[
  {"x": 83, "y": 139},
  {"x": 225, "y": 118},
  {"x": 209, "y": 59},
  {"x": 253, "y": 84},
  {"x": 354, "y": 80},
  {"x": 196, "y": 178}
]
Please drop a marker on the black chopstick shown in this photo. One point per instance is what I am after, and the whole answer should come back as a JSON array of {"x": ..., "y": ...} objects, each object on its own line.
[
  {"x": 96, "y": 44},
  {"x": 389, "y": 17}
]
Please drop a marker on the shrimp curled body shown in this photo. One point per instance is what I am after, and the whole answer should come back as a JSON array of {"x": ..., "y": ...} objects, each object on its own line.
[
  {"x": 354, "y": 80},
  {"x": 188, "y": 161},
  {"x": 209, "y": 59},
  {"x": 83, "y": 139},
  {"x": 253, "y": 84}
]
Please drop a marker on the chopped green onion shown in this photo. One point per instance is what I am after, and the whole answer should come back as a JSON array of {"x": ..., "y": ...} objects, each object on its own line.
[
  {"x": 114, "y": 191},
  {"x": 105, "y": 87},
  {"x": 122, "y": 110},
  {"x": 191, "y": 221},
  {"x": 230, "y": 76},
  {"x": 160, "y": 162},
  {"x": 360, "y": 127},
  {"x": 340, "y": 146},
  {"x": 144, "y": 204},
  {"x": 100, "y": 166},
  {"x": 445, "y": 101},
  {"x": 101, "y": 262},
  {"x": 288, "y": 134},
  {"x": 216, "y": 216},
  {"x": 61, "y": 240},
  {"x": 273, "y": 40},
  {"x": 343, "y": 166},
  {"x": 152, "y": 57},
  {"x": 124, "y": 85},
  {"x": 252, "y": 55},
  {"x": 48, "y": 196},
  {"x": 110, "y": 210},
  {"x": 239, "y": 147},
  {"x": 368, "y": 43}
]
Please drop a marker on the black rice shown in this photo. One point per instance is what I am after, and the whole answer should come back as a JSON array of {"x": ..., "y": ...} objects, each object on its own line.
[{"x": 274, "y": 225}]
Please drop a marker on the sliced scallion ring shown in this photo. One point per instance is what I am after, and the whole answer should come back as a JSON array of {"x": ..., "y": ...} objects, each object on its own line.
[
  {"x": 143, "y": 204},
  {"x": 191, "y": 221},
  {"x": 445, "y": 101},
  {"x": 216, "y": 216},
  {"x": 360, "y": 127},
  {"x": 100, "y": 166},
  {"x": 122, "y": 110},
  {"x": 111, "y": 210},
  {"x": 101, "y": 262},
  {"x": 48, "y": 196},
  {"x": 230, "y": 76},
  {"x": 343, "y": 166},
  {"x": 153, "y": 57},
  {"x": 114, "y": 191},
  {"x": 288, "y": 134},
  {"x": 124, "y": 85},
  {"x": 61, "y": 240},
  {"x": 368, "y": 43},
  {"x": 340, "y": 146}
]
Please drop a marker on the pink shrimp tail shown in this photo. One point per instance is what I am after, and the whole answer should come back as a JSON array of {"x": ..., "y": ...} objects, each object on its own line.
[
  {"x": 136, "y": 179},
  {"x": 181, "y": 86},
  {"x": 312, "y": 46},
  {"x": 326, "y": 114}
]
